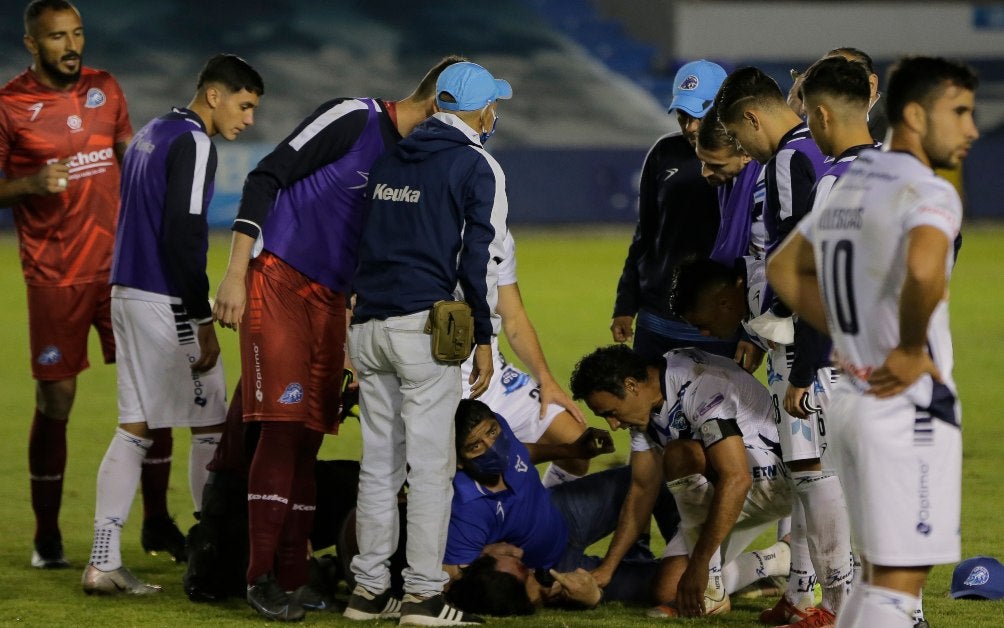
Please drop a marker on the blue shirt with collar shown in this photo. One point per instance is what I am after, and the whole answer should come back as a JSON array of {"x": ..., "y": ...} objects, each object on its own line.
[{"x": 522, "y": 514}]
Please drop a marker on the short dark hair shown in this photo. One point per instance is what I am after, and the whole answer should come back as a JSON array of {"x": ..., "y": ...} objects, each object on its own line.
[
  {"x": 427, "y": 87},
  {"x": 233, "y": 72},
  {"x": 470, "y": 413},
  {"x": 839, "y": 78},
  {"x": 692, "y": 278},
  {"x": 605, "y": 369},
  {"x": 37, "y": 7},
  {"x": 711, "y": 135},
  {"x": 920, "y": 79},
  {"x": 483, "y": 590},
  {"x": 856, "y": 54},
  {"x": 745, "y": 85}
]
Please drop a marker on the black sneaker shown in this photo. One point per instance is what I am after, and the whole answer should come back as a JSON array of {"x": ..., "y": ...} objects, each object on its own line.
[
  {"x": 434, "y": 611},
  {"x": 161, "y": 534},
  {"x": 271, "y": 602},
  {"x": 364, "y": 605},
  {"x": 48, "y": 554},
  {"x": 312, "y": 600}
]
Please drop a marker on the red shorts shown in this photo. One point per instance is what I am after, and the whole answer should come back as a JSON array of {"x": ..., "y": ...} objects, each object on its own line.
[
  {"x": 59, "y": 319},
  {"x": 292, "y": 347}
]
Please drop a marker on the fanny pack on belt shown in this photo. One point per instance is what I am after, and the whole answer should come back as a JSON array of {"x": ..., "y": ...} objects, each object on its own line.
[{"x": 451, "y": 324}]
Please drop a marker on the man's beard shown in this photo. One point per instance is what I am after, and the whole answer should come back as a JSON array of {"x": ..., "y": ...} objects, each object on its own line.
[{"x": 56, "y": 74}]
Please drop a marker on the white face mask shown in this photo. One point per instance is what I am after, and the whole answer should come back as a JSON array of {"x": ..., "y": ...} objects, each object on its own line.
[{"x": 485, "y": 134}]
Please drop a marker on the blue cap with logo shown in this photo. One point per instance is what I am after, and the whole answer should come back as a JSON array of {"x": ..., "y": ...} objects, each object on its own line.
[
  {"x": 978, "y": 577},
  {"x": 695, "y": 86},
  {"x": 471, "y": 86}
]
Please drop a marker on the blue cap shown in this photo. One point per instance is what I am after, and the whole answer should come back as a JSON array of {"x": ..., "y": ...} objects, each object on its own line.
[
  {"x": 980, "y": 576},
  {"x": 695, "y": 86},
  {"x": 472, "y": 86}
]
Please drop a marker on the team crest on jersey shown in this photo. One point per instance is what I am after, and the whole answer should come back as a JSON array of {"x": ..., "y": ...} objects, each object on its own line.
[
  {"x": 513, "y": 380},
  {"x": 49, "y": 356},
  {"x": 978, "y": 577},
  {"x": 95, "y": 98},
  {"x": 292, "y": 394},
  {"x": 74, "y": 122},
  {"x": 690, "y": 83}
]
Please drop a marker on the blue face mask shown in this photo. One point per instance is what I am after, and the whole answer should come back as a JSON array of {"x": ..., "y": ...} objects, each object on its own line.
[
  {"x": 495, "y": 459},
  {"x": 490, "y": 132}
]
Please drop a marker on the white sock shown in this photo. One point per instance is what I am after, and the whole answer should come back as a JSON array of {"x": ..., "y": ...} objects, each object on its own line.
[
  {"x": 203, "y": 448},
  {"x": 118, "y": 477},
  {"x": 828, "y": 532},
  {"x": 555, "y": 475},
  {"x": 801, "y": 577},
  {"x": 848, "y": 616},
  {"x": 918, "y": 615},
  {"x": 783, "y": 528},
  {"x": 884, "y": 607},
  {"x": 749, "y": 567}
]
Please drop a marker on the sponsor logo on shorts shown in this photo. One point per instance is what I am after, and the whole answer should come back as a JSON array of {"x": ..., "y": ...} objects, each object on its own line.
[
  {"x": 197, "y": 390},
  {"x": 292, "y": 394},
  {"x": 49, "y": 356},
  {"x": 978, "y": 577},
  {"x": 95, "y": 98},
  {"x": 770, "y": 471},
  {"x": 924, "y": 500},
  {"x": 255, "y": 497},
  {"x": 513, "y": 380},
  {"x": 304, "y": 507},
  {"x": 801, "y": 426},
  {"x": 258, "y": 395}
]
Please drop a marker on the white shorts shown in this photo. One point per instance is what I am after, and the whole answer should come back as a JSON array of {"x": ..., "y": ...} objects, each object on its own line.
[
  {"x": 901, "y": 471},
  {"x": 768, "y": 500},
  {"x": 516, "y": 396},
  {"x": 801, "y": 439},
  {"x": 153, "y": 350}
]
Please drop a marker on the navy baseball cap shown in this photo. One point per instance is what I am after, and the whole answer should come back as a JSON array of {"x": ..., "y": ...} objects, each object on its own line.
[
  {"x": 472, "y": 86},
  {"x": 695, "y": 86},
  {"x": 978, "y": 577}
]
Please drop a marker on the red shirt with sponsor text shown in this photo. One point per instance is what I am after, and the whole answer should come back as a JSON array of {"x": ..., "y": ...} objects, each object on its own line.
[{"x": 66, "y": 238}]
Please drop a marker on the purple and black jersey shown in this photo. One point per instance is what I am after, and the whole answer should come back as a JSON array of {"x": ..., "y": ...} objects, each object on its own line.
[
  {"x": 162, "y": 236},
  {"x": 790, "y": 175},
  {"x": 305, "y": 198}
]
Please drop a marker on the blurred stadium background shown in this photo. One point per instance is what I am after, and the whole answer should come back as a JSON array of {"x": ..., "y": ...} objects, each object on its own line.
[{"x": 592, "y": 78}]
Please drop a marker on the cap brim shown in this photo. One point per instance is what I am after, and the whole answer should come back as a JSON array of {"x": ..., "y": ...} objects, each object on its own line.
[
  {"x": 504, "y": 88},
  {"x": 691, "y": 105},
  {"x": 976, "y": 593}
]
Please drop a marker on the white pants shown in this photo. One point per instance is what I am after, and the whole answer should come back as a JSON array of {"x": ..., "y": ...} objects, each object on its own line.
[{"x": 407, "y": 402}]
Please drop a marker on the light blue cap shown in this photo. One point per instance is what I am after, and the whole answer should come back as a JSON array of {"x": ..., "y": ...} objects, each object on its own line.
[
  {"x": 695, "y": 86},
  {"x": 472, "y": 86}
]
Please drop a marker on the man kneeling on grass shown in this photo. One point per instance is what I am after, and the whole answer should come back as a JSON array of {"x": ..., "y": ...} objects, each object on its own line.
[
  {"x": 513, "y": 543},
  {"x": 706, "y": 428}
]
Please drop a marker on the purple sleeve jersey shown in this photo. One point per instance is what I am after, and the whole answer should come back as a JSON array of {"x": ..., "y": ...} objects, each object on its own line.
[
  {"x": 162, "y": 235},
  {"x": 790, "y": 175}
]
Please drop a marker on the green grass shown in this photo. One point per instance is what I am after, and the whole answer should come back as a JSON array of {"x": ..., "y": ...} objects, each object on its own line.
[{"x": 568, "y": 279}]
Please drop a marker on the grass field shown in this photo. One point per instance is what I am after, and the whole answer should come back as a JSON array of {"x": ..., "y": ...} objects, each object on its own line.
[{"x": 567, "y": 278}]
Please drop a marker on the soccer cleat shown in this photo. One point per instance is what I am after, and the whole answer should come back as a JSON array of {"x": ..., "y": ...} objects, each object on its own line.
[
  {"x": 161, "y": 534},
  {"x": 434, "y": 611},
  {"x": 116, "y": 581},
  {"x": 771, "y": 586},
  {"x": 312, "y": 600},
  {"x": 48, "y": 554},
  {"x": 783, "y": 612},
  {"x": 271, "y": 602},
  {"x": 364, "y": 605},
  {"x": 711, "y": 607},
  {"x": 815, "y": 617},
  {"x": 921, "y": 623}
]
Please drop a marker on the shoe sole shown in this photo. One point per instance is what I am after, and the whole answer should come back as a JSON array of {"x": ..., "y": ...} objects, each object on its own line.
[
  {"x": 426, "y": 620},
  {"x": 357, "y": 615}
]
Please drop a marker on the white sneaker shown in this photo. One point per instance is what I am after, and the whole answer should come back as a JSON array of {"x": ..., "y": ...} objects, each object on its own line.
[{"x": 114, "y": 582}]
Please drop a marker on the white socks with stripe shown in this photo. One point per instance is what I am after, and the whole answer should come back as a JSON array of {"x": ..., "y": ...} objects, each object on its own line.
[
  {"x": 749, "y": 567},
  {"x": 828, "y": 532},
  {"x": 693, "y": 495},
  {"x": 801, "y": 576},
  {"x": 202, "y": 451},
  {"x": 118, "y": 478}
]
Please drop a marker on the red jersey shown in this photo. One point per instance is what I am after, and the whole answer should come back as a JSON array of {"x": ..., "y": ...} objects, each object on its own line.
[{"x": 65, "y": 238}]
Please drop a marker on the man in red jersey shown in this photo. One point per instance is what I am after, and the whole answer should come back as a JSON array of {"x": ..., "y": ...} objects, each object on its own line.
[{"x": 63, "y": 130}]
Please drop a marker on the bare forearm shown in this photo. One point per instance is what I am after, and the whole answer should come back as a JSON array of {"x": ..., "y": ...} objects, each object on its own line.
[
  {"x": 726, "y": 505},
  {"x": 917, "y": 301}
]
